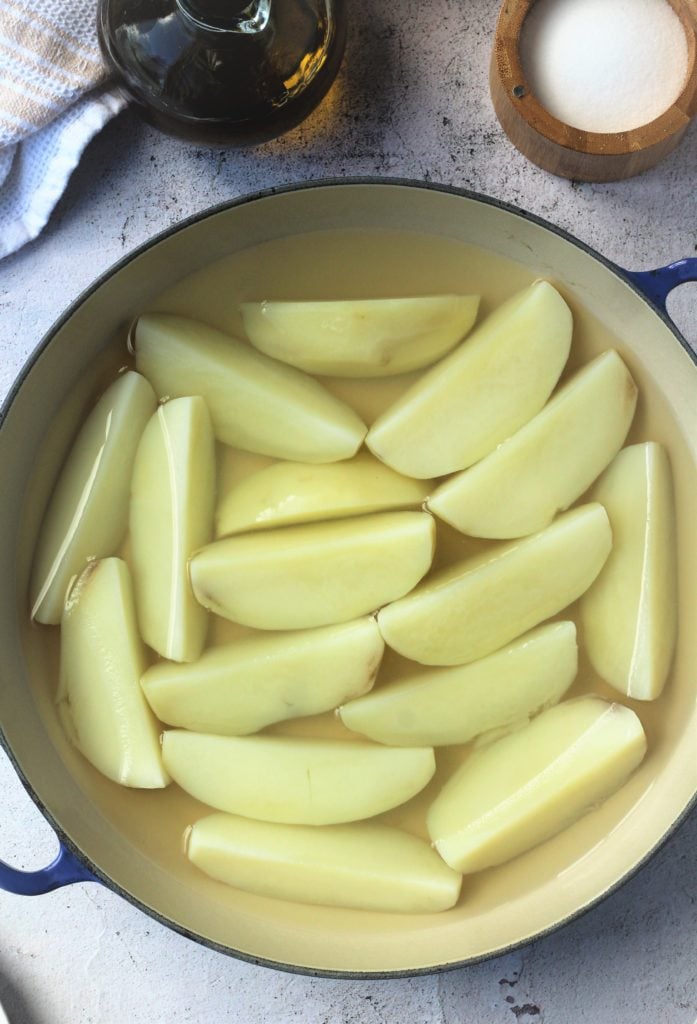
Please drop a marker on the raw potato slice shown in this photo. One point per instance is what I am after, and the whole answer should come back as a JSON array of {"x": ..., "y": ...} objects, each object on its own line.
[
  {"x": 294, "y": 492},
  {"x": 363, "y": 337},
  {"x": 472, "y": 608},
  {"x": 445, "y": 706},
  {"x": 296, "y": 781},
  {"x": 629, "y": 616},
  {"x": 242, "y": 687},
  {"x": 255, "y": 403},
  {"x": 88, "y": 512},
  {"x": 304, "y": 576},
  {"x": 102, "y": 659},
  {"x": 172, "y": 499},
  {"x": 481, "y": 393},
  {"x": 525, "y": 788},
  {"x": 519, "y": 488},
  {"x": 367, "y": 867}
]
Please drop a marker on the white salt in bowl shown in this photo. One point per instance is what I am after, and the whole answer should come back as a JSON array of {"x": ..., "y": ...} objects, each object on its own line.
[{"x": 595, "y": 90}]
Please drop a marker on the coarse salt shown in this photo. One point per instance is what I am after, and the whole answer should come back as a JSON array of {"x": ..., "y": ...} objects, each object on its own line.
[{"x": 605, "y": 65}]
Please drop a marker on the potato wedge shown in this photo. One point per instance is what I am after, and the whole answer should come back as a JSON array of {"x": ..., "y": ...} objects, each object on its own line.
[
  {"x": 240, "y": 688},
  {"x": 362, "y": 337},
  {"x": 172, "y": 500},
  {"x": 544, "y": 467},
  {"x": 443, "y": 706},
  {"x": 102, "y": 659},
  {"x": 295, "y": 781},
  {"x": 367, "y": 867},
  {"x": 525, "y": 788},
  {"x": 293, "y": 492},
  {"x": 629, "y": 615},
  {"x": 481, "y": 393},
  {"x": 299, "y": 577},
  {"x": 255, "y": 402},
  {"x": 472, "y": 608},
  {"x": 87, "y": 515}
]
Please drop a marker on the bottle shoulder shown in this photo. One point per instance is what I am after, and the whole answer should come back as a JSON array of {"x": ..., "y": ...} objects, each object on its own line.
[{"x": 234, "y": 84}]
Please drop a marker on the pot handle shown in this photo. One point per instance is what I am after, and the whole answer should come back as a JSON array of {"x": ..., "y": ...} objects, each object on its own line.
[
  {"x": 63, "y": 870},
  {"x": 657, "y": 284}
]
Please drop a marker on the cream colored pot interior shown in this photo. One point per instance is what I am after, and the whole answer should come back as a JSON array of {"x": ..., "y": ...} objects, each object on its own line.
[{"x": 341, "y": 241}]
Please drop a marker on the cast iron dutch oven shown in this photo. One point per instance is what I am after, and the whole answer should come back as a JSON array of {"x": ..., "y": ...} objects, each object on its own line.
[{"x": 379, "y": 237}]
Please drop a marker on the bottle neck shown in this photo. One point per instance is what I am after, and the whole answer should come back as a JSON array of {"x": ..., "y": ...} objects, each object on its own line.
[{"x": 247, "y": 17}]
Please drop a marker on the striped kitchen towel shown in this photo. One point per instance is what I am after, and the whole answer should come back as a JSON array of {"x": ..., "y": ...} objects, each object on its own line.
[{"x": 54, "y": 97}]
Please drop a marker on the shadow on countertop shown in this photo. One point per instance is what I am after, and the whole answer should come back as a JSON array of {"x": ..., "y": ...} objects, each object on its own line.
[{"x": 17, "y": 1003}]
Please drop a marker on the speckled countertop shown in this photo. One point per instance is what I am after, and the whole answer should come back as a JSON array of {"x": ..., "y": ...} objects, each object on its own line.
[{"x": 412, "y": 100}]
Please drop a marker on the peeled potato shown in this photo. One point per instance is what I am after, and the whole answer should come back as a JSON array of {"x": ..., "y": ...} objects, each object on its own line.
[
  {"x": 362, "y": 337},
  {"x": 286, "y": 493},
  {"x": 87, "y": 515},
  {"x": 472, "y": 608},
  {"x": 629, "y": 615},
  {"x": 367, "y": 867},
  {"x": 477, "y": 396},
  {"x": 172, "y": 498},
  {"x": 295, "y": 781},
  {"x": 544, "y": 467},
  {"x": 102, "y": 659},
  {"x": 327, "y": 553},
  {"x": 442, "y": 706},
  {"x": 298, "y": 577},
  {"x": 527, "y": 787},
  {"x": 255, "y": 402},
  {"x": 242, "y": 687}
]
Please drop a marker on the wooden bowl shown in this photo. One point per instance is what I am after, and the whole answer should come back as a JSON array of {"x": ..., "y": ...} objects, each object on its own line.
[{"x": 571, "y": 152}]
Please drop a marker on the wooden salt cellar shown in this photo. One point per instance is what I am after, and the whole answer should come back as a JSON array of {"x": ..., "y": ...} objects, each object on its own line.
[{"x": 570, "y": 152}]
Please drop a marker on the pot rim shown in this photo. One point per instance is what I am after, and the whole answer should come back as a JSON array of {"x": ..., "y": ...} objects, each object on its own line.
[{"x": 250, "y": 197}]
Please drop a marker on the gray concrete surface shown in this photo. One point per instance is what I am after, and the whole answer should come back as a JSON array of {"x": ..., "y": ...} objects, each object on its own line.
[{"x": 412, "y": 100}]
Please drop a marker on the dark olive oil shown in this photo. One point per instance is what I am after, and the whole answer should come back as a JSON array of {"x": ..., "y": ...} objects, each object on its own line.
[{"x": 224, "y": 71}]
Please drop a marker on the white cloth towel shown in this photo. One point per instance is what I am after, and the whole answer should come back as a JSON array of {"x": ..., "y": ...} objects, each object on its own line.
[{"x": 54, "y": 98}]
